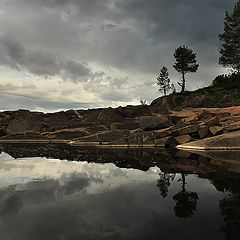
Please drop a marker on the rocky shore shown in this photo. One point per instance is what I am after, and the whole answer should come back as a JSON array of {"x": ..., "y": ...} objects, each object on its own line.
[{"x": 123, "y": 127}]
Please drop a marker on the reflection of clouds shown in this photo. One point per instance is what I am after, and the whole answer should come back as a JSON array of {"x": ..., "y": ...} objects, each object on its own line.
[
  {"x": 52, "y": 199},
  {"x": 11, "y": 205},
  {"x": 18, "y": 171},
  {"x": 49, "y": 212}
]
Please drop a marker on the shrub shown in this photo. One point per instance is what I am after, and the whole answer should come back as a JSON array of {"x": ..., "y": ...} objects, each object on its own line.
[{"x": 227, "y": 81}]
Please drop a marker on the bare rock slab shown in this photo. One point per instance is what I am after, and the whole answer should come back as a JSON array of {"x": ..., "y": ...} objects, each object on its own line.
[{"x": 228, "y": 141}]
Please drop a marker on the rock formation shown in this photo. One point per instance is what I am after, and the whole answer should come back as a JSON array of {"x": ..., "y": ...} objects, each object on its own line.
[{"x": 137, "y": 126}]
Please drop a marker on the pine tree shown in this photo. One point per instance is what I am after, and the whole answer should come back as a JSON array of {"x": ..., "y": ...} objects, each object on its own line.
[
  {"x": 185, "y": 63},
  {"x": 230, "y": 52},
  {"x": 163, "y": 81}
]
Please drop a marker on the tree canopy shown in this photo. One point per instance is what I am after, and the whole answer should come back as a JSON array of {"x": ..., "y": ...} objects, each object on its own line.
[{"x": 230, "y": 51}]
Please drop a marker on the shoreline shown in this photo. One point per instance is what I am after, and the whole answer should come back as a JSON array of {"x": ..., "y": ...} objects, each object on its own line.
[{"x": 107, "y": 145}]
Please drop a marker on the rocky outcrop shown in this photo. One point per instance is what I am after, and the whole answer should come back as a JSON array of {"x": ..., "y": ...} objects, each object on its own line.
[
  {"x": 229, "y": 141},
  {"x": 125, "y": 126},
  {"x": 208, "y": 97}
]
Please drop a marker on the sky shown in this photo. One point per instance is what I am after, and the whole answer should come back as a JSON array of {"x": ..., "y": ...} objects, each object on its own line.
[{"x": 79, "y": 54}]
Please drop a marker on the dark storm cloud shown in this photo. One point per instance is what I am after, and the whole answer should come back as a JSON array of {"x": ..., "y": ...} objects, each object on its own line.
[
  {"x": 70, "y": 38},
  {"x": 16, "y": 56},
  {"x": 188, "y": 20},
  {"x": 91, "y": 9}
]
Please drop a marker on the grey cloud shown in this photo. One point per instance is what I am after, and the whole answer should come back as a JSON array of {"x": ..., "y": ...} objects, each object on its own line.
[
  {"x": 16, "y": 56},
  {"x": 155, "y": 24},
  {"x": 14, "y": 101},
  {"x": 118, "y": 82},
  {"x": 10, "y": 87},
  {"x": 188, "y": 20},
  {"x": 136, "y": 37},
  {"x": 91, "y": 9},
  {"x": 116, "y": 96}
]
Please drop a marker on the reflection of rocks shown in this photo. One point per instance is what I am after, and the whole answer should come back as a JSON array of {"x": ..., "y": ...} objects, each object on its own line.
[
  {"x": 47, "y": 208},
  {"x": 169, "y": 160}
]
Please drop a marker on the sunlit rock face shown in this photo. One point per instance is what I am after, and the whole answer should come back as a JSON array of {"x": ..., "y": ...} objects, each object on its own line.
[{"x": 122, "y": 126}]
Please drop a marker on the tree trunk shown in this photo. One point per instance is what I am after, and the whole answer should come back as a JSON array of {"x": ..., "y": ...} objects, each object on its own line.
[
  {"x": 183, "y": 82},
  {"x": 183, "y": 182},
  {"x": 164, "y": 91}
]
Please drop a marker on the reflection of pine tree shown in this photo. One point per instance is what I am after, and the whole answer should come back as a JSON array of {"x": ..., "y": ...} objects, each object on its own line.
[
  {"x": 186, "y": 202},
  {"x": 230, "y": 207},
  {"x": 163, "y": 183}
]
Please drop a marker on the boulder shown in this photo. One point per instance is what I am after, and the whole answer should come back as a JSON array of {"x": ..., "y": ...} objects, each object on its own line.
[
  {"x": 170, "y": 142},
  {"x": 23, "y": 121},
  {"x": 174, "y": 141},
  {"x": 154, "y": 122},
  {"x": 189, "y": 129},
  {"x": 183, "y": 139},
  {"x": 109, "y": 115},
  {"x": 165, "y": 142},
  {"x": 4, "y": 119},
  {"x": 130, "y": 125},
  {"x": 233, "y": 127},
  {"x": 184, "y": 116},
  {"x": 213, "y": 121},
  {"x": 63, "y": 120},
  {"x": 134, "y": 111},
  {"x": 215, "y": 130},
  {"x": 2, "y": 132},
  {"x": 203, "y": 131}
]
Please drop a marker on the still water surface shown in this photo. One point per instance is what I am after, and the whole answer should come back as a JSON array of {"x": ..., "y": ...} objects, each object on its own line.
[{"x": 50, "y": 199}]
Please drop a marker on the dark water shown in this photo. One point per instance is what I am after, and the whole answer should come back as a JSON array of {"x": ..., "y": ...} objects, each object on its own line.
[{"x": 173, "y": 198}]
